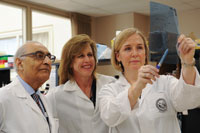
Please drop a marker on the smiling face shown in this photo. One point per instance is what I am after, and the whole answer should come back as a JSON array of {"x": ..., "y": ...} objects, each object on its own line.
[
  {"x": 84, "y": 63},
  {"x": 32, "y": 70},
  {"x": 132, "y": 53}
]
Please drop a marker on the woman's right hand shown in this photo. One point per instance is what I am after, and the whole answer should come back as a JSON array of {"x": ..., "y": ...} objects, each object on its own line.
[{"x": 146, "y": 74}]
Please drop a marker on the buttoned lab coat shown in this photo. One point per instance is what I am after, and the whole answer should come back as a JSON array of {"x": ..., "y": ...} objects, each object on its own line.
[
  {"x": 19, "y": 113},
  {"x": 75, "y": 111},
  {"x": 155, "y": 112}
]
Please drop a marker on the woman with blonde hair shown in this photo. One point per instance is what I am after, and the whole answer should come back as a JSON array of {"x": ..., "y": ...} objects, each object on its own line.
[
  {"x": 141, "y": 100},
  {"x": 74, "y": 100}
]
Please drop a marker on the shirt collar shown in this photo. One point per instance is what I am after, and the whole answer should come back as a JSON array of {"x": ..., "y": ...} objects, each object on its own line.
[{"x": 27, "y": 87}]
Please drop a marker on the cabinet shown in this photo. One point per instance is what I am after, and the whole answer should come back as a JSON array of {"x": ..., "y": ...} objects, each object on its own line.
[{"x": 4, "y": 76}]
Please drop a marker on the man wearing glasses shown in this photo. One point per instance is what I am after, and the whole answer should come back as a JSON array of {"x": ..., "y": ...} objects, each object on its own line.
[{"x": 22, "y": 108}]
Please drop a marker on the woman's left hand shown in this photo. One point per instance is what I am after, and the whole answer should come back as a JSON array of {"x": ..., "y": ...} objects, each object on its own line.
[{"x": 186, "y": 48}]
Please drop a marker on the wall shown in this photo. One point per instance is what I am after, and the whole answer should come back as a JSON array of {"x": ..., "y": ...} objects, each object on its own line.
[
  {"x": 104, "y": 28},
  {"x": 142, "y": 22},
  {"x": 107, "y": 70},
  {"x": 190, "y": 22}
]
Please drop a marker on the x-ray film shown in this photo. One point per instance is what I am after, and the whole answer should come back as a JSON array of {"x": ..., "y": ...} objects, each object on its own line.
[
  {"x": 163, "y": 32},
  {"x": 163, "y": 18}
]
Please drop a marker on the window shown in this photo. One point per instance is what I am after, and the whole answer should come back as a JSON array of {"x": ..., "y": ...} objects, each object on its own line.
[
  {"x": 19, "y": 18},
  {"x": 52, "y": 31},
  {"x": 10, "y": 29}
]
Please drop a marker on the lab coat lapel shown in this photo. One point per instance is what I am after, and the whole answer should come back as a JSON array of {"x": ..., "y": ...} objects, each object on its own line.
[
  {"x": 51, "y": 120},
  {"x": 125, "y": 83},
  {"x": 30, "y": 102},
  {"x": 22, "y": 94},
  {"x": 145, "y": 92},
  {"x": 98, "y": 87}
]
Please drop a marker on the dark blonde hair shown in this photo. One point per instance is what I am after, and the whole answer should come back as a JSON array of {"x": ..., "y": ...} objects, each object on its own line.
[
  {"x": 119, "y": 41},
  {"x": 72, "y": 48}
]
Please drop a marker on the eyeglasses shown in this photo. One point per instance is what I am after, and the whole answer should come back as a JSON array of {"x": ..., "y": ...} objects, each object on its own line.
[{"x": 41, "y": 56}]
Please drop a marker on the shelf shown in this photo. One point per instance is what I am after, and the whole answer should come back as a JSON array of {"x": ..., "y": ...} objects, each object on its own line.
[
  {"x": 104, "y": 62},
  {"x": 6, "y": 68}
]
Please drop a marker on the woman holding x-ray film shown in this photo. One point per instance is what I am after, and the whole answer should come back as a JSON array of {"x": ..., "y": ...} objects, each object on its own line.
[{"x": 141, "y": 100}]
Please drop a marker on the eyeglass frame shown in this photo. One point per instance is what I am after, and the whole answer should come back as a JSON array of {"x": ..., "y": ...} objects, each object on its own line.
[{"x": 51, "y": 57}]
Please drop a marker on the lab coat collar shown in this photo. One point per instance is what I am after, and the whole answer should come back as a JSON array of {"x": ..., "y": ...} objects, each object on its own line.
[
  {"x": 73, "y": 86},
  {"x": 70, "y": 86},
  {"x": 122, "y": 80},
  {"x": 19, "y": 89}
]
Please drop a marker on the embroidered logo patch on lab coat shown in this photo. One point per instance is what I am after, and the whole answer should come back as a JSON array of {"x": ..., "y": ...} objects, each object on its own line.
[{"x": 161, "y": 104}]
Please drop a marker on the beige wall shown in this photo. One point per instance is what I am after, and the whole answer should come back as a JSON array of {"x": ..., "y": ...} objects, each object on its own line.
[
  {"x": 104, "y": 28},
  {"x": 142, "y": 22},
  {"x": 107, "y": 70},
  {"x": 190, "y": 22}
]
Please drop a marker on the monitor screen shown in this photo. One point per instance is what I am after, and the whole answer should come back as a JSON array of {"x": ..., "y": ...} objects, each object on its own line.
[{"x": 103, "y": 51}]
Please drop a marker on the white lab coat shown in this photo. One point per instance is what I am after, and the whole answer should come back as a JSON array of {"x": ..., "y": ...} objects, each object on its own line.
[
  {"x": 75, "y": 110},
  {"x": 155, "y": 112},
  {"x": 19, "y": 113}
]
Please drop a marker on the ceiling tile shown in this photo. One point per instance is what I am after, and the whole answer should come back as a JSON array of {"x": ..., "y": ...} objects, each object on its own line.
[{"x": 111, "y": 7}]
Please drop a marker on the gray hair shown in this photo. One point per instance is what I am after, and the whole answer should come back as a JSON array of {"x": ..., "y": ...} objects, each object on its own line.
[{"x": 22, "y": 50}]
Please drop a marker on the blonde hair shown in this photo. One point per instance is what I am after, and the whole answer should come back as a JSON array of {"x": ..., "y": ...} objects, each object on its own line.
[
  {"x": 72, "y": 48},
  {"x": 119, "y": 41}
]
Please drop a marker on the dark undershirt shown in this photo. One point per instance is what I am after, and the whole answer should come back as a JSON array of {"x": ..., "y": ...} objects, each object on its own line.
[{"x": 93, "y": 92}]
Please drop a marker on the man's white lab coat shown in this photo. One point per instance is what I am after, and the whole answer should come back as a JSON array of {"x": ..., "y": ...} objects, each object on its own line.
[{"x": 19, "y": 113}]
